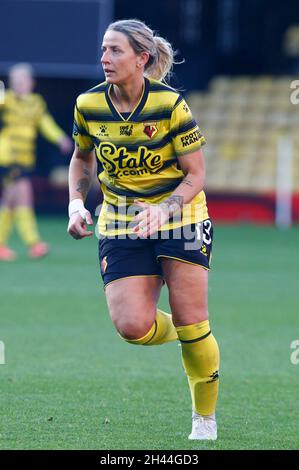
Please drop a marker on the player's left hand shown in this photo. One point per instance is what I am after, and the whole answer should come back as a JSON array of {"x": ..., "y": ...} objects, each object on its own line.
[
  {"x": 65, "y": 145},
  {"x": 150, "y": 219}
]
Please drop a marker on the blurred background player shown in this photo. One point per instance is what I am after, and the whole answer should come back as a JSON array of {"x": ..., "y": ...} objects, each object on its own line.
[{"x": 22, "y": 116}]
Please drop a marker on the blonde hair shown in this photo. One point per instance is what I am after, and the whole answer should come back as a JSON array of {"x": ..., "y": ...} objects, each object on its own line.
[
  {"x": 143, "y": 39},
  {"x": 22, "y": 67}
]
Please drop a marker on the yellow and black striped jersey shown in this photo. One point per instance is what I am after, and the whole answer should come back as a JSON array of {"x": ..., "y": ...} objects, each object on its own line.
[
  {"x": 137, "y": 152},
  {"x": 21, "y": 119}
]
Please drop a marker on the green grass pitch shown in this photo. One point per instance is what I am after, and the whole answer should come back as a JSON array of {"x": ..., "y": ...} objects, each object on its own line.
[{"x": 70, "y": 382}]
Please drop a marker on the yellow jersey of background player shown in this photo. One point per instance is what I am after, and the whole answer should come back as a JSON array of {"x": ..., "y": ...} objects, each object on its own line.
[
  {"x": 21, "y": 120},
  {"x": 137, "y": 152}
]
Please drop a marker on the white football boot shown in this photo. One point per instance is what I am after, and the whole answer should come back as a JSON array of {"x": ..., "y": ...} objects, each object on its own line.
[{"x": 203, "y": 427}]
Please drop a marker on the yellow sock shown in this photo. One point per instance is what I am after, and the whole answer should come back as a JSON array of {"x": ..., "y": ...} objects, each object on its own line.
[
  {"x": 200, "y": 355},
  {"x": 162, "y": 331},
  {"x": 26, "y": 224},
  {"x": 6, "y": 224}
]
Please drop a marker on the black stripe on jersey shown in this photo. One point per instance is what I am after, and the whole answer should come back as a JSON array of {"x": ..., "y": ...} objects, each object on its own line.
[
  {"x": 166, "y": 164},
  {"x": 155, "y": 115},
  {"x": 178, "y": 101},
  {"x": 96, "y": 115},
  {"x": 97, "y": 89},
  {"x": 133, "y": 147},
  {"x": 184, "y": 128},
  {"x": 78, "y": 129},
  {"x": 148, "y": 193},
  {"x": 161, "y": 87}
]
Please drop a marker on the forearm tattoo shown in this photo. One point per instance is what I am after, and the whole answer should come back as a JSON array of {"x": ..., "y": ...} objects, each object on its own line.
[
  {"x": 188, "y": 182},
  {"x": 173, "y": 204},
  {"x": 83, "y": 186},
  {"x": 86, "y": 171}
]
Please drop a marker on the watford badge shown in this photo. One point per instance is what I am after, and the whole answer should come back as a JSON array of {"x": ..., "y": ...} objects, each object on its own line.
[
  {"x": 204, "y": 250},
  {"x": 150, "y": 129}
]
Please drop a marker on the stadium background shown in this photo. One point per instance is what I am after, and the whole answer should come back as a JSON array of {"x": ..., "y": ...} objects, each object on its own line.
[{"x": 68, "y": 381}]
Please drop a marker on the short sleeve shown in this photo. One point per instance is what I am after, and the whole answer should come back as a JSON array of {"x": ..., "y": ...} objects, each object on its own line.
[
  {"x": 80, "y": 134},
  {"x": 186, "y": 135}
]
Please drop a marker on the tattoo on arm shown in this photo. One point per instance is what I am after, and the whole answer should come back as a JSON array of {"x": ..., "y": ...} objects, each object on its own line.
[
  {"x": 83, "y": 186},
  {"x": 178, "y": 200},
  {"x": 188, "y": 182},
  {"x": 86, "y": 171},
  {"x": 173, "y": 204}
]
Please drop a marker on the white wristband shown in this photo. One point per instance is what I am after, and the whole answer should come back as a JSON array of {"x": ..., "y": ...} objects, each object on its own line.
[{"x": 76, "y": 205}]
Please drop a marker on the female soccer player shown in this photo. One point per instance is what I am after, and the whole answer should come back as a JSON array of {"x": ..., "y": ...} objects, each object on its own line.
[
  {"x": 23, "y": 114},
  {"x": 154, "y": 224}
]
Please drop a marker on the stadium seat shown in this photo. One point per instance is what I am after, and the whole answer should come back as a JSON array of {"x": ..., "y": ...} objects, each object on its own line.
[{"x": 243, "y": 119}]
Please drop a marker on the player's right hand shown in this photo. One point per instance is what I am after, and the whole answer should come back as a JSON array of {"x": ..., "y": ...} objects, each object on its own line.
[
  {"x": 77, "y": 227},
  {"x": 66, "y": 145}
]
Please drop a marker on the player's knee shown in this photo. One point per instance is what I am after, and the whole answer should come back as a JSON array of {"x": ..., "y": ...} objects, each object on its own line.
[
  {"x": 186, "y": 310},
  {"x": 194, "y": 314},
  {"x": 132, "y": 330}
]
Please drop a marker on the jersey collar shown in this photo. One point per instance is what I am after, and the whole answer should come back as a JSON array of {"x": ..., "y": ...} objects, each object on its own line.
[{"x": 139, "y": 107}]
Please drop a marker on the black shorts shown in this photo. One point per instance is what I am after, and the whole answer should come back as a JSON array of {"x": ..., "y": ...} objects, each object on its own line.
[
  {"x": 14, "y": 172},
  {"x": 125, "y": 257}
]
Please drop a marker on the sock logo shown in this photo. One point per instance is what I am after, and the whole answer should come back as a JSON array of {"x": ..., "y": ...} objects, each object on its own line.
[{"x": 214, "y": 377}]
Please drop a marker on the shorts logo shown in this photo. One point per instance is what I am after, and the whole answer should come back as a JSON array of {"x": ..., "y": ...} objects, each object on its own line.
[
  {"x": 204, "y": 250},
  {"x": 104, "y": 264},
  {"x": 185, "y": 108},
  {"x": 150, "y": 129}
]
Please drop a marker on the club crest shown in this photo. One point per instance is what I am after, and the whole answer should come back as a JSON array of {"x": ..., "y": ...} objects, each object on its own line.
[{"x": 150, "y": 129}]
